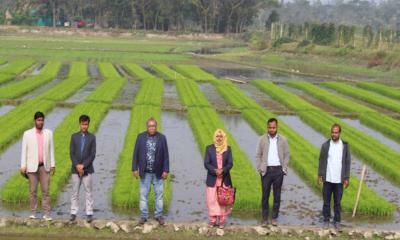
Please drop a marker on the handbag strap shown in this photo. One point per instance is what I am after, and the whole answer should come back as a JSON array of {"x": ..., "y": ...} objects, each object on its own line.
[{"x": 222, "y": 182}]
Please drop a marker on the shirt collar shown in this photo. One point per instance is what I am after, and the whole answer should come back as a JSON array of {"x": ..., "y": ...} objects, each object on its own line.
[
  {"x": 338, "y": 142},
  {"x": 148, "y": 135},
  {"x": 40, "y": 131},
  {"x": 273, "y": 138}
]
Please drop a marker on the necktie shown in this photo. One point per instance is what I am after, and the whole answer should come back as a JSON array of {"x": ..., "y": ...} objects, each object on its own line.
[{"x": 82, "y": 143}]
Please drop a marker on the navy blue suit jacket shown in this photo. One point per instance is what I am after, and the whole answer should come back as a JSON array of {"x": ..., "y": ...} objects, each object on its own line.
[
  {"x": 139, "y": 159},
  {"x": 88, "y": 155},
  {"x": 210, "y": 163}
]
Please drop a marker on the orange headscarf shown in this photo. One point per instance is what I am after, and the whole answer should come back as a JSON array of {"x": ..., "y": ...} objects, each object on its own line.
[{"x": 222, "y": 146}]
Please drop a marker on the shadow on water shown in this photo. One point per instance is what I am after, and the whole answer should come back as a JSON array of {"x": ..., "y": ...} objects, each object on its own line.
[
  {"x": 299, "y": 205},
  {"x": 374, "y": 180},
  {"x": 110, "y": 141},
  {"x": 10, "y": 161}
]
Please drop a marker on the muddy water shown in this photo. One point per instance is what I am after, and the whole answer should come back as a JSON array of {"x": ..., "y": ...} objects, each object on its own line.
[
  {"x": 171, "y": 99},
  {"x": 93, "y": 71},
  {"x": 10, "y": 159},
  {"x": 324, "y": 106},
  {"x": 110, "y": 141},
  {"x": 5, "y": 109},
  {"x": 253, "y": 73},
  {"x": 188, "y": 187},
  {"x": 379, "y": 109},
  {"x": 151, "y": 71},
  {"x": 36, "y": 69},
  {"x": 373, "y": 133},
  {"x": 374, "y": 180},
  {"x": 263, "y": 99},
  {"x": 299, "y": 205},
  {"x": 86, "y": 90},
  {"x": 61, "y": 75},
  {"x": 212, "y": 95},
  {"x": 4, "y": 65},
  {"x": 128, "y": 93}
]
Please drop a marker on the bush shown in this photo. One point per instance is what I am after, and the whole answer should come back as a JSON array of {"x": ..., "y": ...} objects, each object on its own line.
[
  {"x": 343, "y": 51},
  {"x": 303, "y": 43},
  {"x": 258, "y": 41},
  {"x": 281, "y": 41}
]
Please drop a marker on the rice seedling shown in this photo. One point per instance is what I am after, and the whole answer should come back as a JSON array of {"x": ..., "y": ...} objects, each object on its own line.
[
  {"x": 368, "y": 116},
  {"x": 45, "y": 102},
  {"x": 147, "y": 103},
  {"x": 379, "y": 156},
  {"x": 19, "y": 88},
  {"x": 364, "y": 95},
  {"x": 194, "y": 72},
  {"x": 303, "y": 155},
  {"x": 96, "y": 109},
  {"x": 385, "y": 90}
]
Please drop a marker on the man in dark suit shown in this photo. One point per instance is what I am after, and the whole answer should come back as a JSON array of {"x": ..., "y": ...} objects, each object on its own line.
[
  {"x": 82, "y": 153},
  {"x": 151, "y": 163}
]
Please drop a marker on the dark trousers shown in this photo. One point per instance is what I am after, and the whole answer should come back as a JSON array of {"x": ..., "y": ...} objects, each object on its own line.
[
  {"x": 337, "y": 190},
  {"x": 273, "y": 178}
]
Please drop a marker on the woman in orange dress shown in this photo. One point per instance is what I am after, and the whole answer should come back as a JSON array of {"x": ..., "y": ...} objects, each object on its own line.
[{"x": 218, "y": 163}]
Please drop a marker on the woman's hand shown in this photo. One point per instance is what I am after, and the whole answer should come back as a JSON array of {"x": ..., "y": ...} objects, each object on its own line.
[{"x": 218, "y": 171}]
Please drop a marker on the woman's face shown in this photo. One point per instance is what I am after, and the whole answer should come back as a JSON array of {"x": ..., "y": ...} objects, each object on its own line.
[{"x": 219, "y": 137}]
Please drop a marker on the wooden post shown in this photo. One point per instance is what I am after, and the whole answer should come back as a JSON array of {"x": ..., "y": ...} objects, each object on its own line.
[{"x": 364, "y": 169}]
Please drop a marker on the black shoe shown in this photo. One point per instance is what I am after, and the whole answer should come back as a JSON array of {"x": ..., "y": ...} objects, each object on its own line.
[
  {"x": 73, "y": 218},
  {"x": 89, "y": 218},
  {"x": 142, "y": 221},
  {"x": 274, "y": 222},
  {"x": 265, "y": 223},
  {"x": 325, "y": 225},
  {"x": 338, "y": 227},
  {"x": 160, "y": 220}
]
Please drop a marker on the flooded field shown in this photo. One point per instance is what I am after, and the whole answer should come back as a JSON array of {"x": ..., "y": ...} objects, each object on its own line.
[
  {"x": 300, "y": 205},
  {"x": 61, "y": 75},
  {"x": 374, "y": 180},
  {"x": 247, "y": 74}
]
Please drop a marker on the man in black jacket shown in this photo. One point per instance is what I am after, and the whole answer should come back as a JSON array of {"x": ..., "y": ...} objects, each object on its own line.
[
  {"x": 150, "y": 162},
  {"x": 82, "y": 154},
  {"x": 334, "y": 174}
]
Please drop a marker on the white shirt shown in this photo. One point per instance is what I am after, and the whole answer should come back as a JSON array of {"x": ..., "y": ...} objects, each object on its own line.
[
  {"x": 334, "y": 166},
  {"x": 273, "y": 157}
]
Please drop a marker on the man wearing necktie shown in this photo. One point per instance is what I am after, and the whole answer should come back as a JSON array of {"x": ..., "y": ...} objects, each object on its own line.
[{"x": 82, "y": 153}]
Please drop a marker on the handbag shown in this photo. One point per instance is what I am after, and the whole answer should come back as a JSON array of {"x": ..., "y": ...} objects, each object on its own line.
[{"x": 225, "y": 194}]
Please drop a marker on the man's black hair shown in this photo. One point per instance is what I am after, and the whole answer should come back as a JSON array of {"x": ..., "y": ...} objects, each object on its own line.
[
  {"x": 38, "y": 115},
  {"x": 84, "y": 118}
]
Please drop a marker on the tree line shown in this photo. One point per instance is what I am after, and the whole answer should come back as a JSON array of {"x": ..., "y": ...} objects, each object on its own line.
[{"x": 217, "y": 16}]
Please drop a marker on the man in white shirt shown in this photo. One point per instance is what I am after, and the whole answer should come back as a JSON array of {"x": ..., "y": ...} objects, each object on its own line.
[
  {"x": 272, "y": 162},
  {"x": 333, "y": 174},
  {"x": 37, "y": 163}
]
